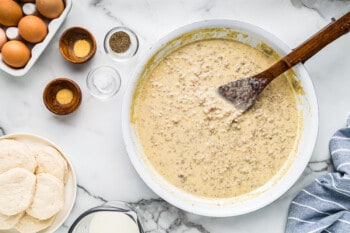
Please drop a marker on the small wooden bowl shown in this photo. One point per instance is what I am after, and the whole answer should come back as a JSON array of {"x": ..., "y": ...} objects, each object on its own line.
[
  {"x": 50, "y": 99},
  {"x": 68, "y": 40}
]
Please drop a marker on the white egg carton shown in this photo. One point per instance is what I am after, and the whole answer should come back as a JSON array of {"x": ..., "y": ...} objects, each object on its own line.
[{"x": 38, "y": 48}]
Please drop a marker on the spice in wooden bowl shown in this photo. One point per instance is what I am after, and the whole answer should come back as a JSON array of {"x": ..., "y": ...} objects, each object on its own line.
[
  {"x": 77, "y": 45},
  {"x": 62, "y": 96},
  {"x": 81, "y": 48}
]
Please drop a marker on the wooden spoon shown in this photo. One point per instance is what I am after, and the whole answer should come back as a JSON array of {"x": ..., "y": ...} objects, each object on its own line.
[{"x": 243, "y": 93}]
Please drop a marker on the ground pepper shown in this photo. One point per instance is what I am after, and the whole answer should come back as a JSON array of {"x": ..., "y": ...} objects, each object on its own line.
[{"x": 119, "y": 42}]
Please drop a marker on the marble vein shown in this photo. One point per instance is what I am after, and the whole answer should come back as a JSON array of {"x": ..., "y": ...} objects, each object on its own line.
[
  {"x": 96, "y": 2},
  {"x": 90, "y": 194},
  {"x": 2, "y": 131},
  {"x": 320, "y": 166},
  {"x": 157, "y": 216},
  {"x": 207, "y": 6},
  {"x": 102, "y": 5},
  {"x": 327, "y": 9},
  {"x": 64, "y": 227}
]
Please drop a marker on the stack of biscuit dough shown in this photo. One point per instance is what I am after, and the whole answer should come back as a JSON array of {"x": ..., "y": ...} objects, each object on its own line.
[{"x": 32, "y": 181}]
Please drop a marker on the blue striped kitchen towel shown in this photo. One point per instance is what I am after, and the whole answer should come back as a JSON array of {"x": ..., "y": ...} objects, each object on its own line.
[{"x": 324, "y": 205}]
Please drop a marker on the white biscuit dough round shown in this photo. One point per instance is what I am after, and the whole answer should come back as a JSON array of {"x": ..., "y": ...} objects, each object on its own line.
[
  {"x": 48, "y": 198},
  {"x": 28, "y": 224},
  {"x": 8, "y": 222},
  {"x": 16, "y": 190},
  {"x": 15, "y": 154},
  {"x": 51, "y": 161}
]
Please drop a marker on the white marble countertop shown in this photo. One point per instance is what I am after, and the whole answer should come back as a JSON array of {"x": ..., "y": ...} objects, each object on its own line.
[{"x": 92, "y": 138}]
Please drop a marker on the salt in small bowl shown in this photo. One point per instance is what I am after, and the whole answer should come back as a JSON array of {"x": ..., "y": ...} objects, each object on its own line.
[{"x": 103, "y": 82}]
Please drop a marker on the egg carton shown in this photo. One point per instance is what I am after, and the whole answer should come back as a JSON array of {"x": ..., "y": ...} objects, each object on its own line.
[{"x": 37, "y": 49}]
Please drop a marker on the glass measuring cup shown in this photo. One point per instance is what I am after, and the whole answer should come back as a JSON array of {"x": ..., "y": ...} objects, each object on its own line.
[{"x": 105, "y": 219}]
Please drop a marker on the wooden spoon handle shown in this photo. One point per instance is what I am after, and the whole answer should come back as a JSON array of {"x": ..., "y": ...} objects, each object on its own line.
[{"x": 311, "y": 46}]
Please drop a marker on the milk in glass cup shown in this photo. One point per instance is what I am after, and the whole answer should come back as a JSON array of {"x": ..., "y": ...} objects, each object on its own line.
[{"x": 111, "y": 217}]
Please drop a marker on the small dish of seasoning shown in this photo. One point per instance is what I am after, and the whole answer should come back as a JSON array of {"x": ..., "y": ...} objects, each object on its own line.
[
  {"x": 77, "y": 45},
  {"x": 103, "y": 82},
  {"x": 121, "y": 43},
  {"x": 62, "y": 96}
]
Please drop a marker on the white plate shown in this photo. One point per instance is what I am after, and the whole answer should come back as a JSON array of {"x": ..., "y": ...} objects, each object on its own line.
[
  {"x": 70, "y": 187},
  {"x": 288, "y": 174},
  {"x": 38, "y": 48}
]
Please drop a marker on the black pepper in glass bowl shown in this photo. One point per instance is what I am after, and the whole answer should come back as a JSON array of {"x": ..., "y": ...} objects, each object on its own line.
[{"x": 121, "y": 43}]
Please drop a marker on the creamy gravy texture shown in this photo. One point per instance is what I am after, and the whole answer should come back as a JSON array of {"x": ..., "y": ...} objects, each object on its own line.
[{"x": 198, "y": 141}]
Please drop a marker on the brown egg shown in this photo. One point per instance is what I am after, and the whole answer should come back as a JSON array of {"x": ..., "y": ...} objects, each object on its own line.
[
  {"x": 15, "y": 53},
  {"x": 50, "y": 9},
  {"x": 3, "y": 38},
  {"x": 32, "y": 29},
  {"x": 10, "y": 13}
]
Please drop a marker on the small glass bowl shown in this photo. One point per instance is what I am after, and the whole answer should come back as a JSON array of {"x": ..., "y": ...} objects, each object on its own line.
[
  {"x": 131, "y": 51},
  {"x": 103, "y": 82}
]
